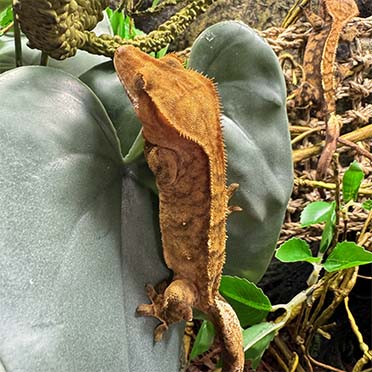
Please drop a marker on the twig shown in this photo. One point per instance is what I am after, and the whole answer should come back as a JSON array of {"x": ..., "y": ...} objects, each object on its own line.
[
  {"x": 299, "y": 129},
  {"x": 367, "y": 354},
  {"x": 354, "y": 136},
  {"x": 295, "y": 364},
  {"x": 325, "y": 185},
  {"x": 278, "y": 358},
  {"x": 17, "y": 40},
  {"x": 343, "y": 290},
  {"x": 288, "y": 354},
  {"x": 326, "y": 366},
  {"x": 355, "y": 147},
  {"x": 364, "y": 229},
  {"x": 305, "y": 134},
  {"x": 364, "y": 277},
  {"x": 363, "y": 346}
]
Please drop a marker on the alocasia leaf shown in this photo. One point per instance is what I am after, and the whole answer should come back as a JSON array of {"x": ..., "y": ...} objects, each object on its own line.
[
  {"x": 253, "y": 94},
  {"x": 72, "y": 269}
]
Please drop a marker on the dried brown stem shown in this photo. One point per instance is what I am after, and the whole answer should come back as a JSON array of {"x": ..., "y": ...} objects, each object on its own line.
[
  {"x": 354, "y": 136},
  {"x": 357, "y": 148}
]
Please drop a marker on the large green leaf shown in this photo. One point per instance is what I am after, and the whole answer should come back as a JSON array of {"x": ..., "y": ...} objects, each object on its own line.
[
  {"x": 68, "y": 286},
  {"x": 253, "y": 95},
  {"x": 102, "y": 79},
  {"x": 76, "y": 65}
]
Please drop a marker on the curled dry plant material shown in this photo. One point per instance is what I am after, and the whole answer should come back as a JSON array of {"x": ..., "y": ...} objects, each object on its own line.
[{"x": 60, "y": 28}]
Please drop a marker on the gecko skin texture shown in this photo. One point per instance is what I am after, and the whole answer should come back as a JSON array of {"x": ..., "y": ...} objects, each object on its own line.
[{"x": 184, "y": 148}]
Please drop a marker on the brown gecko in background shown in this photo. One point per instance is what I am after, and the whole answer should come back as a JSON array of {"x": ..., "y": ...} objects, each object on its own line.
[
  {"x": 184, "y": 148},
  {"x": 318, "y": 64}
]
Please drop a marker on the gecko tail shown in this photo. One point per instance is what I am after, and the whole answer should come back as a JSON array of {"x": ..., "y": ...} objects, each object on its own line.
[{"x": 228, "y": 327}]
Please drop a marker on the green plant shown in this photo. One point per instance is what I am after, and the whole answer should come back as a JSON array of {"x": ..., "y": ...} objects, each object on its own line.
[
  {"x": 123, "y": 25},
  {"x": 6, "y": 19},
  {"x": 343, "y": 254}
]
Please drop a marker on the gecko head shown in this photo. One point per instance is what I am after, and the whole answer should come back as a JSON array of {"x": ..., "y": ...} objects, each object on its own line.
[
  {"x": 138, "y": 71},
  {"x": 128, "y": 62}
]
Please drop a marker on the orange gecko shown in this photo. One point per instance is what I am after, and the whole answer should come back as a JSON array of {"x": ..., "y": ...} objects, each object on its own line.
[{"x": 184, "y": 148}]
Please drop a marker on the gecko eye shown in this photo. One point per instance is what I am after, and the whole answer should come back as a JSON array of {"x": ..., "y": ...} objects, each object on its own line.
[{"x": 139, "y": 83}]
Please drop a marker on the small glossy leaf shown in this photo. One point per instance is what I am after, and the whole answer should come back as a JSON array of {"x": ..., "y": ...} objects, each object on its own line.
[
  {"x": 256, "y": 340},
  {"x": 316, "y": 212},
  {"x": 345, "y": 255},
  {"x": 367, "y": 205},
  {"x": 204, "y": 339},
  {"x": 328, "y": 231},
  {"x": 351, "y": 181},
  {"x": 294, "y": 250},
  {"x": 115, "y": 18},
  {"x": 6, "y": 16},
  {"x": 249, "y": 302}
]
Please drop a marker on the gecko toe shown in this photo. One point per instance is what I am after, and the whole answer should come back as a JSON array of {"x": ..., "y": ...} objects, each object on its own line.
[
  {"x": 145, "y": 310},
  {"x": 159, "y": 331}
]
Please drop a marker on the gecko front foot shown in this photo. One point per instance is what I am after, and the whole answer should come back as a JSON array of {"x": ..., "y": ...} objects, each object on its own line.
[
  {"x": 155, "y": 308},
  {"x": 230, "y": 191},
  {"x": 173, "y": 304}
]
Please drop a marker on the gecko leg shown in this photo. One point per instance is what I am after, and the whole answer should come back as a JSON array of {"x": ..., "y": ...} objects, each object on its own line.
[
  {"x": 230, "y": 191},
  {"x": 173, "y": 305}
]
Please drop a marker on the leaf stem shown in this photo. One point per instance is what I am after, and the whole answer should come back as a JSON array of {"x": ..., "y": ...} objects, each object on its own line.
[
  {"x": 44, "y": 59},
  {"x": 17, "y": 40}
]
